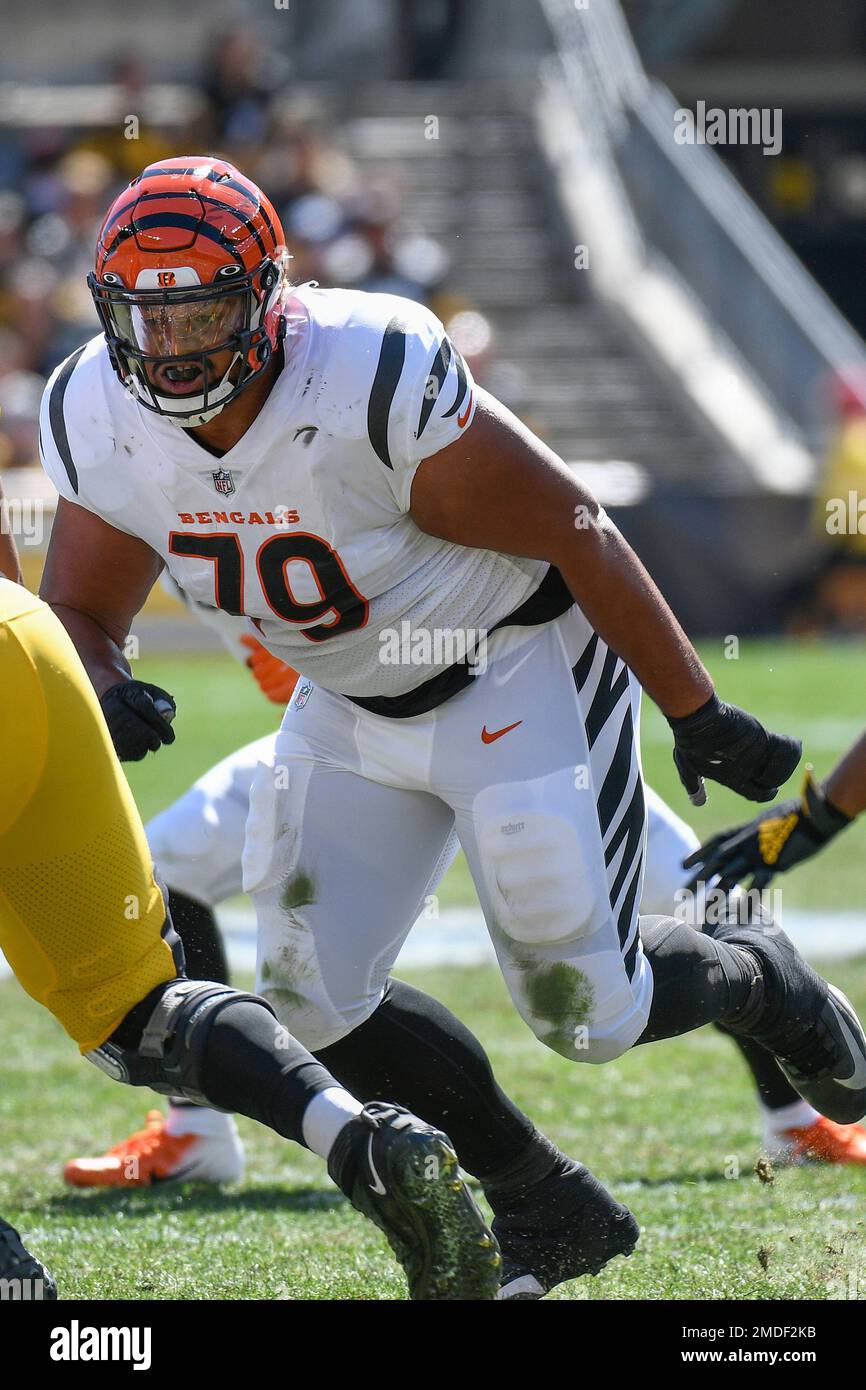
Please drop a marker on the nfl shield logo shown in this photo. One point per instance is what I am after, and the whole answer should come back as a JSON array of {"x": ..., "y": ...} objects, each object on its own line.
[
  {"x": 302, "y": 694},
  {"x": 223, "y": 481}
]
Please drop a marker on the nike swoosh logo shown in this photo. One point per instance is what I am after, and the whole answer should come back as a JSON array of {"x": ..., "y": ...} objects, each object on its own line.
[
  {"x": 502, "y": 680},
  {"x": 491, "y": 738},
  {"x": 179, "y": 1176},
  {"x": 858, "y": 1081},
  {"x": 461, "y": 419},
  {"x": 377, "y": 1185}
]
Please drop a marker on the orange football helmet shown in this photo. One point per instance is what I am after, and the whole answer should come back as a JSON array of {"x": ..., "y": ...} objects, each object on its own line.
[{"x": 190, "y": 265}]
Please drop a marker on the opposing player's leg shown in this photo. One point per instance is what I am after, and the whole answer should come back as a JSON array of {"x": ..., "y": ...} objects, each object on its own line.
[
  {"x": 106, "y": 962},
  {"x": 550, "y": 810},
  {"x": 793, "y": 1131},
  {"x": 217, "y": 1047},
  {"x": 82, "y": 920},
  {"x": 197, "y": 844}
]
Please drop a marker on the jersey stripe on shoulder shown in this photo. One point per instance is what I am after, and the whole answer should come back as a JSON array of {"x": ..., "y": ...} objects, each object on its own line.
[
  {"x": 461, "y": 386},
  {"x": 57, "y": 420},
  {"x": 433, "y": 386},
  {"x": 390, "y": 365}
]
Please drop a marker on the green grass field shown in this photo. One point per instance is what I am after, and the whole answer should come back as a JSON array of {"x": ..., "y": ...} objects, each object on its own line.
[
  {"x": 665, "y": 1127},
  {"x": 671, "y": 1129}
]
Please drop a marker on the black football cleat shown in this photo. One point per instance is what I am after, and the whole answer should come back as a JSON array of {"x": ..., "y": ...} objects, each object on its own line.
[
  {"x": 22, "y": 1276},
  {"x": 828, "y": 1065},
  {"x": 565, "y": 1226},
  {"x": 403, "y": 1175},
  {"x": 811, "y": 1028}
]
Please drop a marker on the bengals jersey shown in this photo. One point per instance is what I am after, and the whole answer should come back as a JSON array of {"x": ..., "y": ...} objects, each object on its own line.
[{"x": 303, "y": 526}]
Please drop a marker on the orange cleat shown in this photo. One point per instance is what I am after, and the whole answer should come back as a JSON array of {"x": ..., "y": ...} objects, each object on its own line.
[
  {"x": 153, "y": 1155},
  {"x": 275, "y": 679},
  {"x": 823, "y": 1141}
]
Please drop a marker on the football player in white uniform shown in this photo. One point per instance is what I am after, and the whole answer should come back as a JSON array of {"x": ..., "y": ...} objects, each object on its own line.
[
  {"x": 197, "y": 843},
  {"x": 472, "y": 631}
]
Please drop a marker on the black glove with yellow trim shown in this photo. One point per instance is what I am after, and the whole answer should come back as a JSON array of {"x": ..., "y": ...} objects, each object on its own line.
[{"x": 788, "y": 833}]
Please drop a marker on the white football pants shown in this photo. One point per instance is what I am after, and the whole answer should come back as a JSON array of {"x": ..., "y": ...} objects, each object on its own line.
[{"x": 351, "y": 828}]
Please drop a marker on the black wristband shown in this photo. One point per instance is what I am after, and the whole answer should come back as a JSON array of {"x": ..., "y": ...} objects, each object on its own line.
[
  {"x": 830, "y": 820},
  {"x": 699, "y": 719}
]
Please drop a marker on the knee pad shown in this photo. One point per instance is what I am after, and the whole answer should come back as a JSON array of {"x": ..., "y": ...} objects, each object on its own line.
[
  {"x": 169, "y": 1055},
  {"x": 594, "y": 1046},
  {"x": 586, "y": 1010},
  {"x": 544, "y": 886}
]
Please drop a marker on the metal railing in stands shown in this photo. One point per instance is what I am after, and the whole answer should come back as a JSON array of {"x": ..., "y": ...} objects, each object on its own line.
[{"x": 693, "y": 211}]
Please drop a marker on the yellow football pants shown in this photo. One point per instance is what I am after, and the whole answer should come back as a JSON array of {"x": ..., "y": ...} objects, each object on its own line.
[{"x": 81, "y": 916}]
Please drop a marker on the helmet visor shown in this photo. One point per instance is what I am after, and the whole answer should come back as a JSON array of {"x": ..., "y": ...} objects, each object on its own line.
[
  {"x": 195, "y": 326},
  {"x": 180, "y": 349}
]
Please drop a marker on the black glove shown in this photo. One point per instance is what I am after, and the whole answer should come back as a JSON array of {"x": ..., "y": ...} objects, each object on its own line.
[
  {"x": 776, "y": 840},
  {"x": 730, "y": 746},
  {"x": 138, "y": 716}
]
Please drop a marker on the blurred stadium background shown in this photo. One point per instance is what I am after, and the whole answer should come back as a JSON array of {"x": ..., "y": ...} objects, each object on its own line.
[
  {"x": 678, "y": 320},
  {"x": 514, "y": 164},
  {"x": 682, "y": 322}
]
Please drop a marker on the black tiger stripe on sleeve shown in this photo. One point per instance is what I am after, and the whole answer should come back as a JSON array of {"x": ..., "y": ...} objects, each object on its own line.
[
  {"x": 57, "y": 420},
  {"x": 436, "y": 376},
  {"x": 461, "y": 386},
  {"x": 391, "y": 358}
]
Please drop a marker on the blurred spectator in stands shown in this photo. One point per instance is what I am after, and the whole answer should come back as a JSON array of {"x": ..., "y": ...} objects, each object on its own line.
[
  {"x": 842, "y": 511},
  {"x": 41, "y": 182},
  {"x": 302, "y": 159},
  {"x": 472, "y": 334},
  {"x": 312, "y": 224},
  {"x": 12, "y": 221},
  {"x": 26, "y": 309},
  {"x": 427, "y": 31},
  {"x": 61, "y": 243},
  {"x": 832, "y": 596},
  {"x": 239, "y": 82},
  {"x": 342, "y": 227},
  {"x": 373, "y": 254},
  {"x": 20, "y": 395},
  {"x": 129, "y": 145}
]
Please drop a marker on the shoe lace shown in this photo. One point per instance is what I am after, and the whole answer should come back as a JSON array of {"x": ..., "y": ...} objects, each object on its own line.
[
  {"x": 382, "y": 1112},
  {"x": 814, "y": 1054}
]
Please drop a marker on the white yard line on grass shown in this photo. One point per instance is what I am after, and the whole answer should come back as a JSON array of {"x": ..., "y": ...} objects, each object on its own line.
[{"x": 459, "y": 937}]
